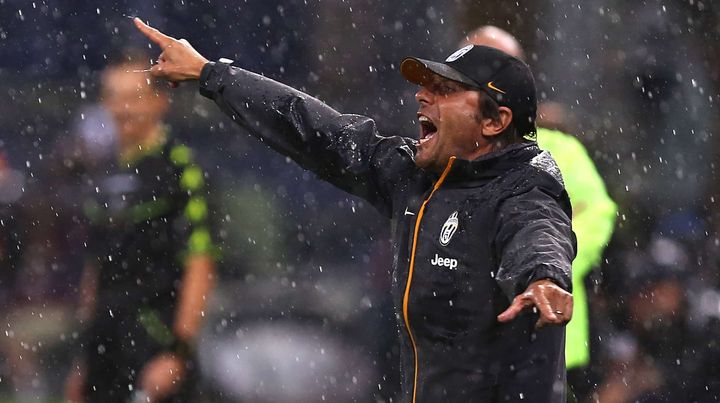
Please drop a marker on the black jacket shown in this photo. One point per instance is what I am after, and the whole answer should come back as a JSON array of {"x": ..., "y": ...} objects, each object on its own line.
[{"x": 465, "y": 243}]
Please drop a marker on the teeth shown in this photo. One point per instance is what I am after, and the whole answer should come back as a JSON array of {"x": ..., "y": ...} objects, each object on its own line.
[{"x": 422, "y": 118}]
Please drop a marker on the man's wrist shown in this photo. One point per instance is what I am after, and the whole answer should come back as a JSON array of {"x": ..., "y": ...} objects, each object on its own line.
[
  {"x": 199, "y": 66},
  {"x": 552, "y": 277},
  {"x": 205, "y": 71},
  {"x": 211, "y": 77},
  {"x": 544, "y": 280}
]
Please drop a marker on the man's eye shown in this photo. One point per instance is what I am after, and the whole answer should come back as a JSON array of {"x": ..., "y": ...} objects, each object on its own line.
[{"x": 445, "y": 89}]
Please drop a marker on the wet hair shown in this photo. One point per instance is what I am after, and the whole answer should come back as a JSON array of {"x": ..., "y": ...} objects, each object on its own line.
[{"x": 489, "y": 109}]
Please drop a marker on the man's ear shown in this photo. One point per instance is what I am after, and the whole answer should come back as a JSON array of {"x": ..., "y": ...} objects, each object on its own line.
[{"x": 493, "y": 127}]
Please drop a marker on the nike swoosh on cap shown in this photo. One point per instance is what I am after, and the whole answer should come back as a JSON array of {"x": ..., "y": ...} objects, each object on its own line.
[{"x": 493, "y": 87}]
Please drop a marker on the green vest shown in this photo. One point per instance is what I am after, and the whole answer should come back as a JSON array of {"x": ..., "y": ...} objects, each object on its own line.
[{"x": 594, "y": 215}]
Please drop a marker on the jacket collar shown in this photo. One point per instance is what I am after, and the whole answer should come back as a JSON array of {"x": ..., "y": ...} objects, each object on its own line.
[{"x": 492, "y": 165}]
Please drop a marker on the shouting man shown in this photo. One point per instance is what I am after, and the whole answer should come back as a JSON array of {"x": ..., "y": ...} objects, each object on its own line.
[{"x": 480, "y": 217}]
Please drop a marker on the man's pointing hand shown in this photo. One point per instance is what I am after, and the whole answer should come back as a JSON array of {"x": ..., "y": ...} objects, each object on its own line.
[
  {"x": 554, "y": 304},
  {"x": 179, "y": 61}
]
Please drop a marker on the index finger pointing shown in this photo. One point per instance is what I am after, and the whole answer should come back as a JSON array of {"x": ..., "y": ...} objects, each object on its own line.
[{"x": 153, "y": 34}]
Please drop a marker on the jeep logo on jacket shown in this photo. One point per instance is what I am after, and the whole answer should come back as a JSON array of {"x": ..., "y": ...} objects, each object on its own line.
[{"x": 447, "y": 262}]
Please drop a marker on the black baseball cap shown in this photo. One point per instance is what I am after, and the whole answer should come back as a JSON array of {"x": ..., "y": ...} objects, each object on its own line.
[{"x": 506, "y": 79}]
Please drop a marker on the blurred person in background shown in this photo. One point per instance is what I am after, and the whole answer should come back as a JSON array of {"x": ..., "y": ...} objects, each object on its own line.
[
  {"x": 471, "y": 339},
  {"x": 150, "y": 257},
  {"x": 594, "y": 211},
  {"x": 40, "y": 247},
  {"x": 655, "y": 304},
  {"x": 666, "y": 347}
]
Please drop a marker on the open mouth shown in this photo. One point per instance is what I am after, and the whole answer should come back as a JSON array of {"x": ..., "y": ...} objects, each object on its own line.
[{"x": 427, "y": 128}]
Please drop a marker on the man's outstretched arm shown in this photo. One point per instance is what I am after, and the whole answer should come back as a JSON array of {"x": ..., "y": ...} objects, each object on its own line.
[
  {"x": 345, "y": 150},
  {"x": 536, "y": 247}
]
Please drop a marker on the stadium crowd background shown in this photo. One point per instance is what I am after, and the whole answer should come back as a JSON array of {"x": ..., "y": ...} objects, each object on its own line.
[{"x": 302, "y": 308}]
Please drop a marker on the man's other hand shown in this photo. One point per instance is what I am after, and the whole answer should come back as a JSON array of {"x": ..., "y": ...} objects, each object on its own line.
[
  {"x": 179, "y": 61},
  {"x": 554, "y": 304}
]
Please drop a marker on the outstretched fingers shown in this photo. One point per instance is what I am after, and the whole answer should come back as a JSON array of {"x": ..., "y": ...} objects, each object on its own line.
[
  {"x": 547, "y": 314},
  {"x": 518, "y": 304},
  {"x": 554, "y": 305}
]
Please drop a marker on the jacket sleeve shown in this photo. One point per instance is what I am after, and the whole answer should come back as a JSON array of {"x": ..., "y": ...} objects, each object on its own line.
[
  {"x": 345, "y": 150},
  {"x": 534, "y": 241}
]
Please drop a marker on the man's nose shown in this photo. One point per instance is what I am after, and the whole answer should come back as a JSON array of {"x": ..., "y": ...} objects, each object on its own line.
[{"x": 423, "y": 96}]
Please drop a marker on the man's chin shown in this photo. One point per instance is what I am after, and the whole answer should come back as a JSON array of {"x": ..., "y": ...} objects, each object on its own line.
[{"x": 422, "y": 161}]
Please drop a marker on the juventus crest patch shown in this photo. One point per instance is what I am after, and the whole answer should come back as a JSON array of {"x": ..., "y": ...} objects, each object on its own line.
[{"x": 448, "y": 229}]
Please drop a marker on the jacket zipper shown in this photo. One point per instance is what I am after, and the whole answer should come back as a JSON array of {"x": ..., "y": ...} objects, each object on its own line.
[{"x": 406, "y": 296}]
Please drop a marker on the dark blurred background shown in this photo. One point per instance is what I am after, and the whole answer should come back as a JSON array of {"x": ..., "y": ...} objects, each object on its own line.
[{"x": 305, "y": 268}]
